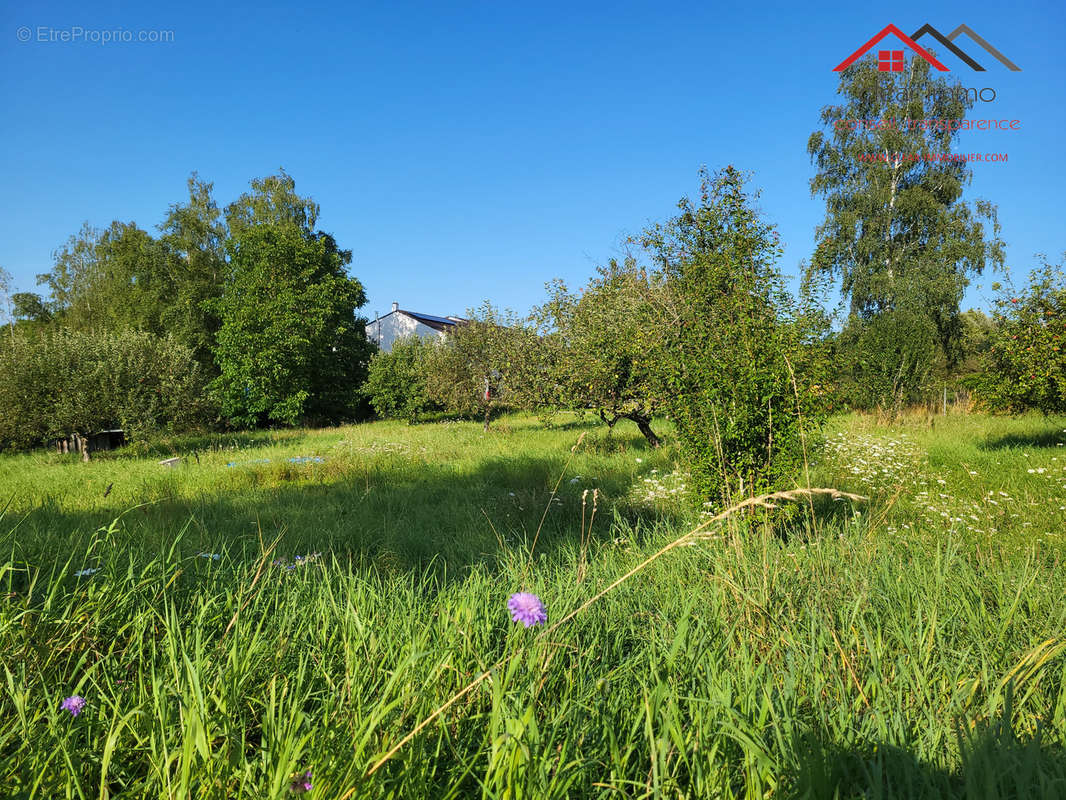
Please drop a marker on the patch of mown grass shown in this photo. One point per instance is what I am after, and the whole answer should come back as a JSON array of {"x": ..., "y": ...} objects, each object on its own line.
[{"x": 836, "y": 654}]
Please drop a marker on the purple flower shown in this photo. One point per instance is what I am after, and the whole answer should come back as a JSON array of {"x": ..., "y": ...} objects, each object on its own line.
[
  {"x": 302, "y": 784},
  {"x": 527, "y": 608},
  {"x": 73, "y": 704}
]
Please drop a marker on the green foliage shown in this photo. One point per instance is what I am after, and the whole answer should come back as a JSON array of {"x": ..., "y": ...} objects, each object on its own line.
[
  {"x": 847, "y": 656},
  {"x": 194, "y": 234},
  {"x": 122, "y": 277},
  {"x": 396, "y": 380},
  {"x": 889, "y": 360},
  {"x": 897, "y": 233},
  {"x": 259, "y": 296},
  {"x": 476, "y": 370},
  {"x": 1025, "y": 364},
  {"x": 62, "y": 382},
  {"x": 600, "y": 347},
  {"x": 290, "y": 347},
  {"x": 29, "y": 307},
  {"x": 730, "y": 339},
  {"x": 974, "y": 341},
  {"x": 272, "y": 201}
]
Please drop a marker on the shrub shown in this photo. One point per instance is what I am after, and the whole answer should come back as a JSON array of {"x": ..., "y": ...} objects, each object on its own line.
[
  {"x": 738, "y": 359},
  {"x": 1025, "y": 364},
  {"x": 63, "y": 382},
  {"x": 889, "y": 359},
  {"x": 396, "y": 380}
]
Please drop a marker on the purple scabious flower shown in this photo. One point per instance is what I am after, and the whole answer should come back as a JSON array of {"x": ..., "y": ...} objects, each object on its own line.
[
  {"x": 73, "y": 704},
  {"x": 301, "y": 784},
  {"x": 527, "y": 609}
]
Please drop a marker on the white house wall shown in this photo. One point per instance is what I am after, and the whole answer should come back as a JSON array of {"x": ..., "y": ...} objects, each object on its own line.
[{"x": 391, "y": 327}]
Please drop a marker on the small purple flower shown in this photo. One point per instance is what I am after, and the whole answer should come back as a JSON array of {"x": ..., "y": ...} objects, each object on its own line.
[
  {"x": 73, "y": 704},
  {"x": 527, "y": 608},
  {"x": 301, "y": 784}
]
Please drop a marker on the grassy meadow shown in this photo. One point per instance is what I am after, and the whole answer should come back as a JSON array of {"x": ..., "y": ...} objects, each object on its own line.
[{"x": 290, "y": 602}]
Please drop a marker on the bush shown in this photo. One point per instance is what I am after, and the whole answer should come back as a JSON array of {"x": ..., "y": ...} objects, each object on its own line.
[
  {"x": 1025, "y": 365},
  {"x": 477, "y": 367},
  {"x": 890, "y": 360},
  {"x": 396, "y": 381},
  {"x": 63, "y": 382},
  {"x": 739, "y": 363}
]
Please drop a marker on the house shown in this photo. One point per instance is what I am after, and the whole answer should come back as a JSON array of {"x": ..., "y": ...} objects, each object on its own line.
[{"x": 399, "y": 323}]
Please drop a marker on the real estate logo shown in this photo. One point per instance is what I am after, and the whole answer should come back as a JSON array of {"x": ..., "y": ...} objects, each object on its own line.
[{"x": 892, "y": 60}]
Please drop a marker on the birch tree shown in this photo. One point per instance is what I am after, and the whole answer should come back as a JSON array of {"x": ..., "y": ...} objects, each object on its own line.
[{"x": 897, "y": 232}]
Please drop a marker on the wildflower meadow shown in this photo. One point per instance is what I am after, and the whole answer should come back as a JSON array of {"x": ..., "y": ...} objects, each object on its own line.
[{"x": 431, "y": 611}]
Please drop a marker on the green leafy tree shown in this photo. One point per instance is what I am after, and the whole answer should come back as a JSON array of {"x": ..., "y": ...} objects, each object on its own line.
[
  {"x": 7, "y": 299},
  {"x": 135, "y": 286},
  {"x": 469, "y": 371},
  {"x": 891, "y": 359},
  {"x": 75, "y": 279},
  {"x": 290, "y": 347},
  {"x": 897, "y": 230},
  {"x": 272, "y": 201},
  {"x": 194, "y": 237},
  {"x": 738, "y": 365},
  {"x": 116, "y": 278},
  {"x": 1025, "y": 364},
  {"x": 121, "y": 277},
  {"x": 396, "y": 380},
  {"x": 64, "y": 381},
  {"x": 600, "y": 347},
  {"x": 30, "y": 307}
]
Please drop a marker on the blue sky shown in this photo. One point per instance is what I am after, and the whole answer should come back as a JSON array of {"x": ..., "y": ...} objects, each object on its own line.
[{"x": 474, "y": 151}]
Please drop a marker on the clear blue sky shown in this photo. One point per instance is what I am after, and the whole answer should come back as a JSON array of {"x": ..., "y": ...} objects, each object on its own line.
[{"x": 471, "y": 151}]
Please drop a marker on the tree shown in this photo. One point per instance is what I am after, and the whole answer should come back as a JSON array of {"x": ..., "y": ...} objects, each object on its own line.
[
  {"x": 396, "y": 380},
  {"x": 121, "y": 277},
  {"x": 602, "y": 346},
  {"x": 114, "y": 278},
  {"x": 890, "y": 359},
  {"x": 272, "y": 201},
  {"x": 29, "y": 307},
  {"x": 290, "y": 347},
  {"x": 135, "y": 288},
  {"x": 194, "y": 235},
  {"x": 63, "y": 381},
  {"x": 75, "y": 278},
  {"x": 7, "y": 299},
  {"x": 474, "y": 369},
  {"x": 738, "y": 365},
  {"x": 1025, "y": 364},
  {"x": 896, "y": 230}
]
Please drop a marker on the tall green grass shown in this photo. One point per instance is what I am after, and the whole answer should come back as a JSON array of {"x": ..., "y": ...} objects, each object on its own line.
[{"x": 818, "y": 654}]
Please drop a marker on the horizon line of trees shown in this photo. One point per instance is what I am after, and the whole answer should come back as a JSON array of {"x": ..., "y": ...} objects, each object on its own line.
[{"x": 246, "y": 315}]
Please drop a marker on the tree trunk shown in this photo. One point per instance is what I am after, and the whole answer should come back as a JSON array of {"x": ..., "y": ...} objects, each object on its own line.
[{"x": 644, "y": 426}]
